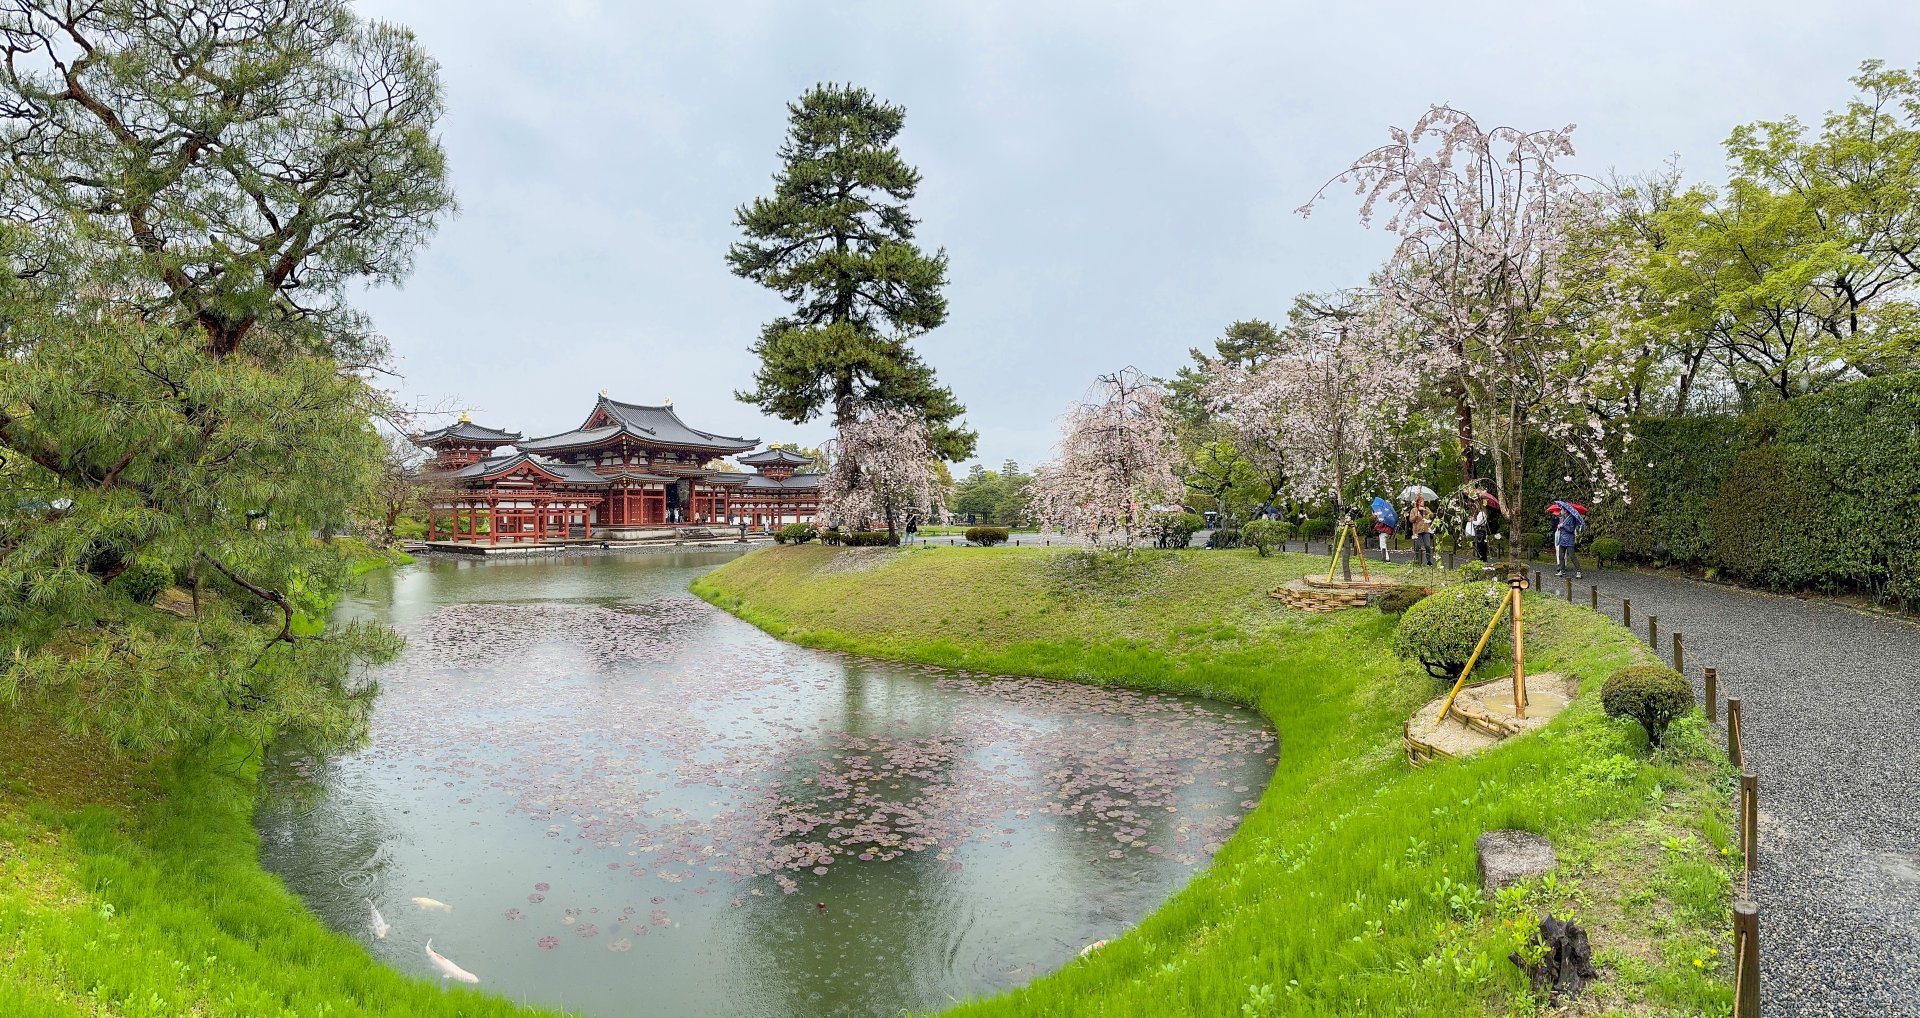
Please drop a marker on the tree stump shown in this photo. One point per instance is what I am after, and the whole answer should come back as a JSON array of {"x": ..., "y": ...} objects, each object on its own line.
[{"x": 1566, "y": 960}]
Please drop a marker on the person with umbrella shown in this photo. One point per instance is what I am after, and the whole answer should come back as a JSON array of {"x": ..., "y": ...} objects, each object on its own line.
[
  {"x": 1569, "y": 519},
  {"x": 1420, "y": 521},
  {"x": 1480, "y": 522},
  {"x": 1384, "y": 519}
]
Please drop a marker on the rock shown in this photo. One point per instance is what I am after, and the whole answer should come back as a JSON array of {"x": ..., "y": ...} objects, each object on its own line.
[{"x": 1508, "y": 857}]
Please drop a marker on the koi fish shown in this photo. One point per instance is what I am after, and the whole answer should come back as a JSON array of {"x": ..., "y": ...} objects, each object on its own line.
[
  {"x": 446, "y": 968},
  {"x": 377, "y": 923},
  {"x": 432, "y": 905},
  {"x": 1090, "y": 948}
]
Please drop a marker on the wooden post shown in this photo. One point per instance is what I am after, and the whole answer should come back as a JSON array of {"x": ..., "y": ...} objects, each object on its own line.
[
  {"x": 1593, "y": 596},
  {"x": 1626, "y": 612},
  {"x": 1713, "y": 695},
  {"x": 1653, "y": 632},
  {"x": 1536, "y": 579},
  {"x": 1449, "y": 560},
  {"x": 1519, "y": 654},
  {"x": 1749, "y": 817},
  {"x": 1746, "y": 954},
  {"x": 1679, "y": 655},
  {"x": 1733, "y": 730},
  {"x": 1569, "y": 590}
]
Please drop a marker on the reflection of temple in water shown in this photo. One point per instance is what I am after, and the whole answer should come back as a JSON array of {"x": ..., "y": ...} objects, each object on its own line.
[{"x": 628, "y": 472}]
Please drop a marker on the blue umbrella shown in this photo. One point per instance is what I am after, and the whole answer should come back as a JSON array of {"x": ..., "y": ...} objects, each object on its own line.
[{"x": 1383, "y": 511}]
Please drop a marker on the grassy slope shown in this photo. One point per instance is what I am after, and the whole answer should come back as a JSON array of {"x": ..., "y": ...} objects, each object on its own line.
[
  {"x": 131, "y": 891},
  {"x": 1351, "y": 889}
]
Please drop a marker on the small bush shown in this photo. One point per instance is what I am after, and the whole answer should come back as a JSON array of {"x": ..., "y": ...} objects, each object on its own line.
[
  {"x": 986, "y": 537},
  {"x": 832, "y": 535},
  {"x": 1265, "y": 535},
  {"x": 1653, "y": 695},
  {"x": 1225, "y": 537},
  {"x": 1441, "y": 630},
  {"x": 1174, "y": 530},
  {"x": 796, "y": 533},
  {"x": 869, "y": 539},
  {"x": 1319, "y": 526},
  {"x": 144, "y": 580},
  {"x": 1396, "y": 600},
  {"x": 1607, "y": 550},
  {"x": 1475, "y": 571}
]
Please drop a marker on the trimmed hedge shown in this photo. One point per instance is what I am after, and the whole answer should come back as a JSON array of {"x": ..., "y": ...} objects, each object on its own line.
[
  {"x": 869, "y": 539},
  {"x": 1816, "y": 493},
  {"x": 986, "y": 537},
  {"x": 1441, "y": 630},
  {"x": 796, "y": 533},
  {"x": 1651, "y": 694},
  {"x": 1396, "y": 600}
]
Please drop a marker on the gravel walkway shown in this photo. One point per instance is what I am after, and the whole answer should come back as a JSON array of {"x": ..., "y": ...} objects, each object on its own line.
[{"x": 1830, "y": 703}]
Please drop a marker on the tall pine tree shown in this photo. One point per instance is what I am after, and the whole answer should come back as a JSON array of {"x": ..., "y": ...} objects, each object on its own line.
[{"x": 836, "y": 241}]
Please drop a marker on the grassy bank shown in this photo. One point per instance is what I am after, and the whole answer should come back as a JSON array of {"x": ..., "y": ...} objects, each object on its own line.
[
  {"x": 1351, "y": 889},
  {"x": 137, "y": 892}
]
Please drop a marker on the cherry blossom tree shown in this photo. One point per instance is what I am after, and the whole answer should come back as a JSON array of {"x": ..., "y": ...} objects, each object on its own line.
[
  {"x": 1116, "y": 461},
  {"x": 1519, "y": 315},
  {"x": 1330, "y": 402},
  {"x": 880, "y": 467}
]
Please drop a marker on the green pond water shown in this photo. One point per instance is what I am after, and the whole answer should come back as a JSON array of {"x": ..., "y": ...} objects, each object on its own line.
[{"x": 633, "y": 804}]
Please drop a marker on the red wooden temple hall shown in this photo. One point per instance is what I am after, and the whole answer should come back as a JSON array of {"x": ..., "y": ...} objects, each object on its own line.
[{"x": 628, "y": 472}]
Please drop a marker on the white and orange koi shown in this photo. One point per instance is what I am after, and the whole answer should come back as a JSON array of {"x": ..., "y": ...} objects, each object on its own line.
[{"x": 446, "y": 968}]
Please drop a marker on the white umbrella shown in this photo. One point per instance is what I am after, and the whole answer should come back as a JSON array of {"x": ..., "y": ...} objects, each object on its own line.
[{"x": 1413, "y": 491}]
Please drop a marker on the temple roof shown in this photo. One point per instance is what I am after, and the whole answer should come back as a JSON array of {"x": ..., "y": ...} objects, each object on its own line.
[
  {"x": 466, "y": 431},
  {"x": 798, "y": 482},
  {"x": 494, "y": 466},
  {"x": 774, "y": 458},
  {"x": 646, "y": 425}
]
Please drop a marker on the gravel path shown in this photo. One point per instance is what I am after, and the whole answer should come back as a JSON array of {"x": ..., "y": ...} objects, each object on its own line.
[{"x": 1830, "y": 703}]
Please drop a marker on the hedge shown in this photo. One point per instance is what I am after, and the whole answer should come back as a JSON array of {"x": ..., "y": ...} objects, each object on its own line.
[
  {"x": 986, "y": 536},
  {"x": 1816, "y": 493}
]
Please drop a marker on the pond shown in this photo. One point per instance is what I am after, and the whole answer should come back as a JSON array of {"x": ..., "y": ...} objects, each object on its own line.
[{"x": 611, "y": 797}]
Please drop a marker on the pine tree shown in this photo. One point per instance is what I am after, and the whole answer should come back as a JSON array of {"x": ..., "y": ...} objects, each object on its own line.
[{"x": 836, "y": 242}]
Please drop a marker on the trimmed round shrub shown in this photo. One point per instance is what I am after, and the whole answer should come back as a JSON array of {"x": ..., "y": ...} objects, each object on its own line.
[
  {"x": 144, "y": 580},
  {"x": 1265, "y": 535},
  {"x": 1651, "y": 694},
  {"x": 986, "y": 537},
  {"x": 1607, "y": 550},
  {"x": 1225, "y": 537},
  {"x": 1474, "y": 571},
  {"x": 870, "y": 539},
  {"x": 1174, "y": 529},
  {"x": 796, "y": 533},
  {"x": 1440, "y": 631},
  {"x": 1396, "y": 600},
  {"x": 832, "y": 535},
  {"x": 1319, "y": 526}
]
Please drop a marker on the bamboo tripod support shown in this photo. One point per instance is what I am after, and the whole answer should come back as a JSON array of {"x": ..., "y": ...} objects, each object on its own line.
[{"x": 1359, "y": 551}]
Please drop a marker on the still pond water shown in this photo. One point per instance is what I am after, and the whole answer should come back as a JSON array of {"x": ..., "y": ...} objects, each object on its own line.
[{"x": 635, "y": 804}]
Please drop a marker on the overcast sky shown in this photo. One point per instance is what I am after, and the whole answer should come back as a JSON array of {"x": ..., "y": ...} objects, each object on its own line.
[{"x": 1112, "y": 182}]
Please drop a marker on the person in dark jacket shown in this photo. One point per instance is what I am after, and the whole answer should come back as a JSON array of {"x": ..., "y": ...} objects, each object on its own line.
[{"x": 1566, "y": 530}]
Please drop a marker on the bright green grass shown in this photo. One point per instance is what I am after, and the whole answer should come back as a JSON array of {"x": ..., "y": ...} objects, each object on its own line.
[
  {"x": 153, "y": 903},
  {"x": 1351, "y": 889}
]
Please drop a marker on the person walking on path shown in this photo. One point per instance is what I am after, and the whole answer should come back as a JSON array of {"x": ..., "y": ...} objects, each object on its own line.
[
  {"x": 1420, "y": 522},
  {"x": 1566, "y": 530}
]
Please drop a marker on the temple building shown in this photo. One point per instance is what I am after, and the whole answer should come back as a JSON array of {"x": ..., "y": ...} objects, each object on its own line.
[{"x": 628, "y": 472}]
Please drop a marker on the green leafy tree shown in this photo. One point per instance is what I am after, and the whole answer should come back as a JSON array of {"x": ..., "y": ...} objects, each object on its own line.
[
  {"x": 835, "y": 240},
  {"x": 191, "y": 192}
]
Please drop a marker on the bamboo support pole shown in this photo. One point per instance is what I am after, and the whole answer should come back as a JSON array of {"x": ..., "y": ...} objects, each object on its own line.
[
  {"x": 1477, "y": 648},
  {"x": 1519, "y": 655}
]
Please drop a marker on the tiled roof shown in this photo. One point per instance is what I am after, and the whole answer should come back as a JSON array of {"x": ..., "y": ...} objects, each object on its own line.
[
  {"x": 798, "y": 482},
  {"x": 466, "y": 431},
  {"x": 647, "y": 425},
  {"x": 773, "y": 458},
  {"x": 493, "y": 466}
]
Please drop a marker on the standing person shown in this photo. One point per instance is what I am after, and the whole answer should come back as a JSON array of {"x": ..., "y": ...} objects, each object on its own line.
[
  {"x": 1477, "y": 530},
  {"x": 1420, "y": 521},
  {"x": 1566, "y": 530}
]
